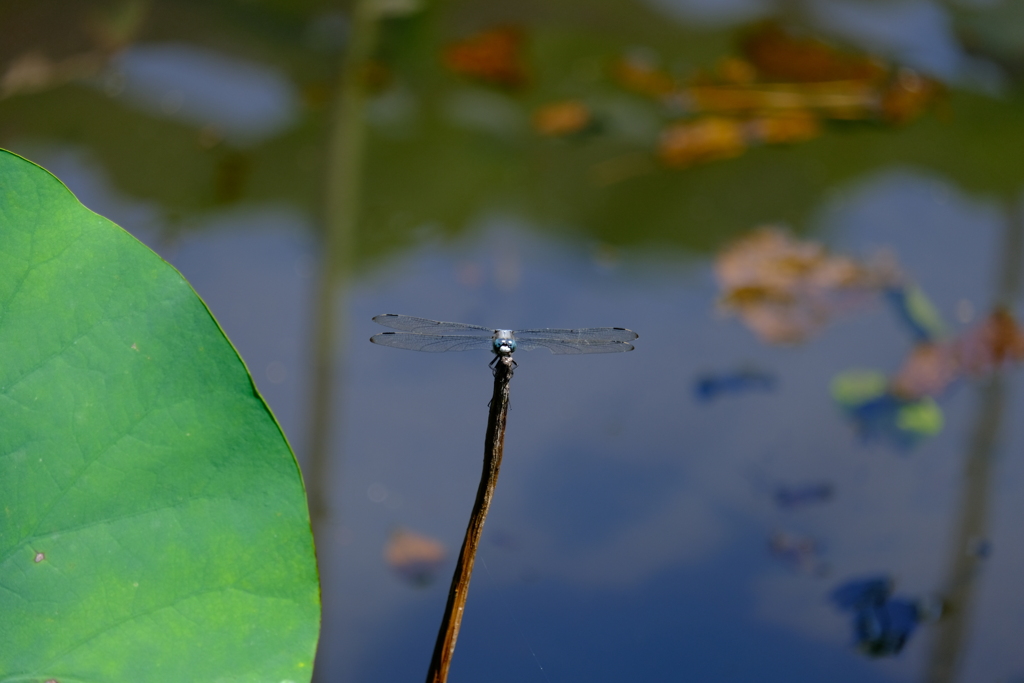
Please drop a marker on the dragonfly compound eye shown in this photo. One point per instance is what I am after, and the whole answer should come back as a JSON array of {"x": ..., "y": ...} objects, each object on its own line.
[{"x": 504, "y": 346}]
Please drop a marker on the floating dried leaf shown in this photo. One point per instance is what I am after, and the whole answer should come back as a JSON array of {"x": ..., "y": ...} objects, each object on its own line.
[
  {"x": 786, "y": 289},
  {"x": 907, "y": 96},
  {"x": 780, "y": 55},
  {"x": 928, "y": 370},
  {"x": 833, "y": 99},
  {"x": 493, "y": 56},
  {"x": 785, "y": 128},
  {"x": 562, "y": 118},
  {"x": 414, "y": 557},
  {"x": 932, "y": 367},
  {"x": 708, "y": 139},
  {"x": 641, "y": 75},
  {"x": 736, "y": 70}
]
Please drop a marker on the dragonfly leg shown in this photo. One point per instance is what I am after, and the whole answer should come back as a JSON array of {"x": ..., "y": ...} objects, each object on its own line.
[{"x": 507, "y": 360}]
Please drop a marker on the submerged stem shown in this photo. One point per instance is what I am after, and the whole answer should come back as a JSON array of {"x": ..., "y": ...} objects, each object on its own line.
[
  {"x": 444, "y": 648},
  {"x": 342, "y": 186},
  {"x": 972, "y": 524}
]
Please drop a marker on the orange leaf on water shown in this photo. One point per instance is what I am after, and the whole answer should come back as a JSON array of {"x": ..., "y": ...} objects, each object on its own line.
[
  {"x": 708, "y": 139},
  {"x": 562, "y": 118},
  {"x": 640, "y": 75},
  {"x": 786, "y": 289},
  {"x": 779, "y": 55},
  {"x": 493, "y": 56}
]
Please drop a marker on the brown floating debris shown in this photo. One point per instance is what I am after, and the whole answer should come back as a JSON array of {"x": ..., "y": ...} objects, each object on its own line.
[
  {"x": 787, "y": 289},
  {"x": 908, "y": 96},
  {"x": 623, "y": 167},
  {"x": 847, "y": 100},
  {"x": 105, "y": 34},
  {"x": 493, "y": 56},
  {"x": 736, "y": 71},
  {"x": 779, "y": 90},
  {"x": 988, "y": 347},
  {"x": 562, "y": 118},
  {"x": 779, "y": 55},
  {"x": 719, "y": 137},
  {"x": 640, "y": 74},
  {"x": 703, "y": 140},
  {"x": 34, "y": 71},
  {"x": 414, "y": 557},
  {"x": 785, "y": 128}
]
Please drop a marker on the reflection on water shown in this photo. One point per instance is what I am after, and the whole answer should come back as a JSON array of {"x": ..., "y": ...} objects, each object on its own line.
[
  {"x": 709, "y": 386},
  {"x": 244, "y": 101},
  {"x": 688, "y": 511},
  {"x": 878, "y": 412},
  {"x": 664, "y": 499},
  {"x": 882, "y": 623},
  {"x": 797, "y": 496}
]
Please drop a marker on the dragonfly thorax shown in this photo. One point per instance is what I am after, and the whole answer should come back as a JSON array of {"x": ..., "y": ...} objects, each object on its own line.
[{"x": 503, "y": 342}]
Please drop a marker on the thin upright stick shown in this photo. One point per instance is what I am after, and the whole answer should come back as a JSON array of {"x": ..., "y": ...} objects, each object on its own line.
[{"x": 444, "y": 648}]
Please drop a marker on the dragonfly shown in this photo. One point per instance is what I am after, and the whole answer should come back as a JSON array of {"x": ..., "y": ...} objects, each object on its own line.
[{"x": 421, "y": 334}]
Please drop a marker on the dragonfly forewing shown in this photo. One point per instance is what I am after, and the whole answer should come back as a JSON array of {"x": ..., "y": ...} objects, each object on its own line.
[
  {"x": 408, "y": 323},
  {"x": 584, "y": 334},
  {"x": 432, "y": 343}
]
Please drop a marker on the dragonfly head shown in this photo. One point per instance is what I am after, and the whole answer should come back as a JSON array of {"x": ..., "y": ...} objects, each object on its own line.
[{"x": 504, "y": 342}]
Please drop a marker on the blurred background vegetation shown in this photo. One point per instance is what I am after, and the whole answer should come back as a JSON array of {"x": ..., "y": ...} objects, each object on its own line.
[{"x": 443, "y": 146}]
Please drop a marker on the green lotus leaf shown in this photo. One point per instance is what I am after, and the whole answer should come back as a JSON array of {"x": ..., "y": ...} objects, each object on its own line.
[{"x": 154, "y": 523}]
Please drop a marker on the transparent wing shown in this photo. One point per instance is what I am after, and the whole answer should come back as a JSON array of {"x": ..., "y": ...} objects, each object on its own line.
[
  {"x": 587, "y": 334},
  {"x": 574, "y": 345},
  {"x": 408, "y": 323},
  {"x": 434, "y": 343}
]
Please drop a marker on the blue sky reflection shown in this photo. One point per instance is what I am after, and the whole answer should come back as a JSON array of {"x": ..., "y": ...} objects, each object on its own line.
[{"x": 654, "y": 559}]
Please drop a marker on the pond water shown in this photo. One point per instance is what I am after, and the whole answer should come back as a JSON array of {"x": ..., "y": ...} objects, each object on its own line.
[{"x": 685, "y": 511}]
